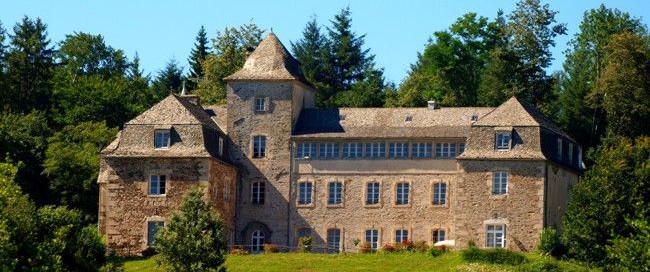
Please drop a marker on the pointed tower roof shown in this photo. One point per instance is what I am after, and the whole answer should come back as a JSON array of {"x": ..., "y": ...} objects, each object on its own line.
[
  {"x": 270, "y": 61},
  {"x": 516, "y": 112}
]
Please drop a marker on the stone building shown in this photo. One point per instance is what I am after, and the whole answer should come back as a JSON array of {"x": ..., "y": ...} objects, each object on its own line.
[{"x": 276, "y": 168}]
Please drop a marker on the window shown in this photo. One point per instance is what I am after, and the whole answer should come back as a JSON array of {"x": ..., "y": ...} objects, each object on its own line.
[
  {"x": 352, "y": 150},
  {"x": 157, "y": 184},
  {"x": 257, "y": 192},
  {"x": 372, "y": 193},
  {"x": 304, "y": 232},
  {"x": 503, "y": 141},
  {"x": 438, "y": 235},
  {"x": 306, "y": 150},
  {"x": 402, "y": 192},
  {"x": 162, "y": 139},
  {"x": 259, "y": 146},
  {"x": 335, "y": 193},
  {"x": 500, "y": 183},
  {"x": 152, "y": 229},
  {"x": 495, "y": 236},
  {"x": 398, "y": 150},
  {"x": 375, "y": 150},
  {"x": 257, "y": 241},
  {"x": 401, "y": 235},
  {"x": 333, "y": 240},
  {"x": 559, "y": 148},
  {"x": 421, "y": 150},
  {"x": 260, "y": 104},
  {"x": 461, "y": 148},
  {"x": 570, "y": 153},
  {"x": 329, "y": 150},
  {"x": 445, "y": 150},
  {"x": 372, "y": 237},
  {"x": 220, "y": 146},
  {"x": 304, "y": 195},
  {"x": 439, "y": 193}
]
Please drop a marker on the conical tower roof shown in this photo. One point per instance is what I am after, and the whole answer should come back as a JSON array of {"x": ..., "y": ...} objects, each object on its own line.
[{"x": 270, "y": 61}]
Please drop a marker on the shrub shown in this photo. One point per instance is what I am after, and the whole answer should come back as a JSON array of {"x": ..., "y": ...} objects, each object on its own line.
[
  {"x": 365, "y": 247},
  {"x": 304, "y": 244},
  {"x": 435, "y": 252},
  {"x": 420, "y": 246},
  {"x": 150, "y": 251},
  {"x": 238, "y": 251},
  {"x": 388, "y": 248},
  {"x": 113, "y": 263},
  {"x": 407, "y": 244},
  {"x": 271, "y": 248},
  {"x": 550, "y": 243},
  {"x": 471, "y": 243},
  {"x": 493, "y": 256},
  {"x": 541, "y": 265},
  {"x": 194, "y": 239}
]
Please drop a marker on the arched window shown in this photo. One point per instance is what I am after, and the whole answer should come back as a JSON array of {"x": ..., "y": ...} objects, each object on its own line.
[{"x": 257, "y": 241}]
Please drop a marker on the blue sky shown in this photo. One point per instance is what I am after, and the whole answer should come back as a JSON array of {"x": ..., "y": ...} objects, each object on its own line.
[{"x": 395, "y": 30}]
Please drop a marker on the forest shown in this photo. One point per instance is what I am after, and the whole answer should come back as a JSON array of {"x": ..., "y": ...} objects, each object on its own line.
[{"x": 63, "y": 101}]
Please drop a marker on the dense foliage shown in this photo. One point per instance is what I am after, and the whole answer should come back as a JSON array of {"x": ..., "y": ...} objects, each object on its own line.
[{"x": 194, "y": 239}]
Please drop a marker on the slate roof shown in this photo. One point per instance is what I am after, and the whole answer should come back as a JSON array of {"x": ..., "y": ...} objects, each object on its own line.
[
  {"x": 219, "y": 114},
  {"x": 516, "y": 112},
  {"x": 174, "y": 109},
  {"x": 387, "y": 122},
  {"x": 270, "y": 61}
]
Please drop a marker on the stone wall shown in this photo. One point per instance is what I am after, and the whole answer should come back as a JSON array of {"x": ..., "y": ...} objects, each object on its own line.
[
  {"x": 126, "y": 206},
  {"x": 560, "y": 181},
  {"x": 273, "y": 169},
  {"x": 353, "y": 217},
  {"x": 521, "y": 209},
  {"x": 222, "y": 194}
]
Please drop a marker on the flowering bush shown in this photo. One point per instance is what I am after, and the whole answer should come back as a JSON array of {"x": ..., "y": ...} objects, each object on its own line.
[
  {"x": 271, "y": 248},
  {"x": 388, "y": 248}
]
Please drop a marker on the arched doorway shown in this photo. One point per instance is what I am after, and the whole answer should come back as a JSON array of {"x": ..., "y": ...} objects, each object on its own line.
[{"x": 254, "y": 236}]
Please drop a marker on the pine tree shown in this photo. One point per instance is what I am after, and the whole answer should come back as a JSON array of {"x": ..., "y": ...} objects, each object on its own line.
[
  {"x": 29, "y": 63},
  {"x": 168, "y": 80},
  {"x": 197, "y": 56},
  {"x": 312, "y": 52}
]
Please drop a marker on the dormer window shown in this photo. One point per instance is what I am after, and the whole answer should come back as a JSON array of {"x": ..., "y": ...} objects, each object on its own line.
[
  {"x": 261, "y": 104},
  {"x": 503, "y": 140},
  {"x": 162, "y": 139}
]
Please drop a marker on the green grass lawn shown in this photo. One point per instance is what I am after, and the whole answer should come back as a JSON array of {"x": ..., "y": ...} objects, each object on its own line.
[{"x": 307, "y": 262}]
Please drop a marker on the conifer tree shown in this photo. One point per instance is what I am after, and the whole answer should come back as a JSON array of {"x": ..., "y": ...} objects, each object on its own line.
[
  {"x": 312, "y": 51},
  {"x": 197, "y": 56},
  {"x": 168, "y": 80}
]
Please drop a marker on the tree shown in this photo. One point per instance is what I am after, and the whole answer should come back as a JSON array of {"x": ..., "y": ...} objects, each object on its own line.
[
  {"x": 614, "y": 190},
  {"x": 91, "y": 84},
  {"x": 584, "y": 65},
  {"x": 72, "y": 164},
  {"x": 532, "y": 28},
  {"x": 312, "y": 51},
  {"x": 168, "y": 80},
  {"x": 139, "y": 86},
  {"x": 198, "y": 55},
  {"x": 194, "y": 239},
  {"x": 624, "y": 86},
  {"x": 230, "y": 49},
  {"x": 29, "y": 67},
  {"x": 632, "y": 253}
]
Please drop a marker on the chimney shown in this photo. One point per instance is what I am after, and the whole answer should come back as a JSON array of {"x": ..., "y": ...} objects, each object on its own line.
[{"x": 432, "y": 105}]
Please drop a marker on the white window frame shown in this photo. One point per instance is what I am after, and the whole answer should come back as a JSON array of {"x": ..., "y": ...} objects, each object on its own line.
[
  {"x": 402, "y": 193},
  {"x": 461, "y": 149},
  {"x": 375, "y": 150},
  {"x": 372, "y": 237},
  {"x": 162, "y": 139},
  {"x": 305, "y": 189},
  {"x": 439, "y": 193},
  {"x": 155, "y": 187},
  {"x": 258, "y": 192},
  {"x": 500, "y": 143},
  {"x": 258, "y": 240},
  {"x": 305, "y": 150},
  {"x": 373, "y": 193},
  {"x": 261, "y": 104},
  {"x": 438, "y": 235},
  {"x": 421, "y": 150},
  {"x": 500, "y": 180},
  {"x": 335, "y": 197},
  {"x": 333, "y": 240},
  {"x": 445, "y": 150},
  {"x": 495, "y": 235},
  {"x": 352, "y": 150},
  {"x": 398, "y": 150},
  {"x": 259, "y": 146},
  {"x": 401, "y": 235},
  {"x": 328, "y": 150}
]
